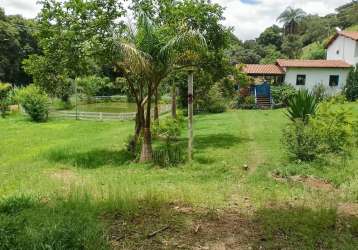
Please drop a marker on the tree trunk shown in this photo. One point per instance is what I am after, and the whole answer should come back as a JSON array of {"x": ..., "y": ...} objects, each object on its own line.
[
  {"x": 139, "y": 123},
  {"x": 156, "y": 106},
  {"x": 147, "y": 151},
  {"x": 174, "y": 101}
]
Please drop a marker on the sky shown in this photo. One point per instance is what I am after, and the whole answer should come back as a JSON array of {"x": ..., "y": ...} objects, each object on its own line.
[{"x": 248, "y": 17}]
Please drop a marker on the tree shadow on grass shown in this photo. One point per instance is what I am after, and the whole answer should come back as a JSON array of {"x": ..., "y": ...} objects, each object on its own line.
[
  {"x": 91, "y": 159},
  {"x": 221, "y": 141}
]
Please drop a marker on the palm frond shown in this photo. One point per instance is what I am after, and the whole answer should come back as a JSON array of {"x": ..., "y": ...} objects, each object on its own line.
[
  {"x": 192, "y": 40},
  {"x": 133, "y": 58}
]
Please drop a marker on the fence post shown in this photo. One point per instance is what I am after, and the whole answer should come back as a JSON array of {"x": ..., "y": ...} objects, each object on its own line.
[{"x": 100, "y": 116}]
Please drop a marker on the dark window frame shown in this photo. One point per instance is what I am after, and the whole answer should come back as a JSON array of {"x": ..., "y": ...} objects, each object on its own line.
[
  {"x": 333, "y": 79},
  {"x": 301, "y": 80}
]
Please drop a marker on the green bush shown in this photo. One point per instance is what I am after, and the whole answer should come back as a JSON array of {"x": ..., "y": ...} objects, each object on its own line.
[
  {"x": 302, "y": 106},
  {"x": 34, "y": 101},
  {"x": 301, "y": 141},
  {"x": 91, "y": 85},
  {"x": 331, "y": 131},
  {"x": 282, "y": 93},
  {"x": 169, "y": 127},
  {"x": 5, "y": 89},
  {"x": 351, "y": 88},
  {"x": 249, "y": 100},
  {"x": 215, "y": 102},
  {"x": 335, "y": 127},
  {"x": 320, "y": 92}
]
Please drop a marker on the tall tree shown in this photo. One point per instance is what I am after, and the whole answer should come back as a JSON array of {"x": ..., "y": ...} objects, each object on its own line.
[
  {"x": 291, "y": 18},
  {"x": 75, "y": 36},
  {"x": 147, "y": 56},
  {"x": 17, "y": 43}
]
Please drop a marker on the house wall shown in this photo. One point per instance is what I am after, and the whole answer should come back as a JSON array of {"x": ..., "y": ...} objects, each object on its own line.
[
  {"x": 345, "y": 49},
  {"x": 316, "y": 76}
]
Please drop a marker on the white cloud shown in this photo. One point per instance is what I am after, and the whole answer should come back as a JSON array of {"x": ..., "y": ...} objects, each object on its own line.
[
  {"x": 27, "y": 8},
  {"x": 248, "y": 20}
]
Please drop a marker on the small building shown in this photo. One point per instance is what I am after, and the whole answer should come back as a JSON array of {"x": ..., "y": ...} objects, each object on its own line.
[
  {"x": 302, "y": 73},
  {"x": 332, "y": 74},
  {"x": 343, "y": 46}
]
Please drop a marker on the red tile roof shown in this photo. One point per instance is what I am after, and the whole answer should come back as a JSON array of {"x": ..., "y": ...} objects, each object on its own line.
[
  {"x": 263, "y": 69},
  {"x": 283, "y": 63},
  {"x": 349, "y": 34}
]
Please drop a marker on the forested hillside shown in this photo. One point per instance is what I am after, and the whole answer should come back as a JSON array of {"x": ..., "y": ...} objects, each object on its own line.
[{"x": 302, "y": 36}]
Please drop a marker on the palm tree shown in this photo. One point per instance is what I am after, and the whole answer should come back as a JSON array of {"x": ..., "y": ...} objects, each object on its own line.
[
  {"x": 145, "y": 60},
  {"x": 291, "y": 18}
]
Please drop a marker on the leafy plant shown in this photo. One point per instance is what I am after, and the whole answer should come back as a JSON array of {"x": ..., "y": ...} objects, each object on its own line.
[
  {"x": 90, "y": 85},
  {"x": 335, "y": 129},
  {"x": 216, "y": 102},
  {"x": 302, "y": 106},
  {"x": 301, "y": 141},
  {"x": 169, "y": 127},
  {"x": 4, "y": 98},
  {"x": 34, "y": 101},
  {"x": 351, "y": 88},
  {"x": 249, "y": 100},
  {"x": 331, "y": 131},
  {"x": 320, "y": 92},
  {"x": 282, "y": 93}
]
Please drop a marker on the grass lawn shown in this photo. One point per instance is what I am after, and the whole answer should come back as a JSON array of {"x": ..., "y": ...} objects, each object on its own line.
[{"x": 71, "y": 185}]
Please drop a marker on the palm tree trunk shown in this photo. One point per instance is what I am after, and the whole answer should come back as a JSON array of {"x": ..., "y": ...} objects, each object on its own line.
[
  {"x": 147, "y": 151},
  {"x": 174, "y": 101},
  {"x": 156, "y": 106},
  {"x": 139, "y": 123}
]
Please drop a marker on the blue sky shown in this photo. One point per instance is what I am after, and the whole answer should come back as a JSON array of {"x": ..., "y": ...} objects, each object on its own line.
[{"x": 248, "y": 17}]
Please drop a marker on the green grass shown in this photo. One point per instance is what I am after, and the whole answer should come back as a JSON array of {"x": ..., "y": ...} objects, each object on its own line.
[{"x": 80, "y": 170}]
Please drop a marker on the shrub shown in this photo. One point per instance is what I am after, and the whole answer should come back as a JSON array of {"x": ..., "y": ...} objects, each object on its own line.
[
  {"x": 169, "y": 127},
  {"x": 320, "y": 92},
  {"x": 301, "y": 141},
  {"x": 90, "y": 85},
  {"x": 351, "y": 88},
  {"x": 249, "y": 100},
  {"x": 335, "y": 129},
  {"x": 330, "y": 132},
  {"x": 215, "y": 103},
  {"x": 302, "y": 106},
  {"x": 34, "y": 101},
  {"x": 282, "y": 93},
  {"x": 4, "y": 98}
]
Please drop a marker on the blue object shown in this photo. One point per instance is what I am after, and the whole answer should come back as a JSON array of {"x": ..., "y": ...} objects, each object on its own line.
[{"x": 263, "y": 90}]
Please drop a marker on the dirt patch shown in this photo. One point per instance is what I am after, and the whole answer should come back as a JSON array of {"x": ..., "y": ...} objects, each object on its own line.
[
  {"x": 187, "y": 229},
  {"x": 66, "y": 176},
  {"x": 308, "y": 181},
  {"x": 348, "y": 209}
]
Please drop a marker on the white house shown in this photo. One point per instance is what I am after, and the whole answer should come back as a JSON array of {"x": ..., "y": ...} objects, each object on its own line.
[
  {"x": 304, "y": 73},
  {"x": 308, "y": 73},
  {"x": 342, "y": 54},
  {"x": 343, "y": 46}
]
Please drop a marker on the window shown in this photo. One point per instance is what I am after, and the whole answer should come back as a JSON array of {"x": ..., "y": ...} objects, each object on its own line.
[
  {"x": 356, "y": 52},
  {"x": 301, "y": 80},
  {"x": 333, "y": 80},
  {"x": 337, "y": 52}
]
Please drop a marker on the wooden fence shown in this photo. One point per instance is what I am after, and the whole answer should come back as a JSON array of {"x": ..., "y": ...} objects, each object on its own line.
[{"x": 101, "y": 116}]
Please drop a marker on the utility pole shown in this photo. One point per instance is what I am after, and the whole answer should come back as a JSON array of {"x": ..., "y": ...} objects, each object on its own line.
[{"x": 190, "y": 115}]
